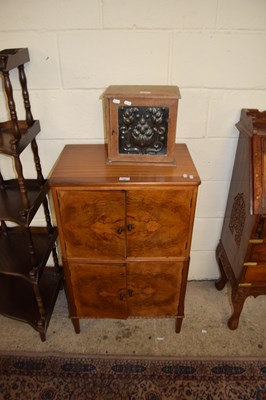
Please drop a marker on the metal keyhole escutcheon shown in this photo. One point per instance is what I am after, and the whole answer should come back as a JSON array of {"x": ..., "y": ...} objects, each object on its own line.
[
  {"x": 119, "y": 230},
  {"x": 130, "y": 227}
]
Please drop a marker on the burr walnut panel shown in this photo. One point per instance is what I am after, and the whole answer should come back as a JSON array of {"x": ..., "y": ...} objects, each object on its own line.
[
  {"x": 99, "y": 291},
  {"x": 153, "y": 288},
  {"x": 158, "y": 222},
  {"x": 100, "y": 218},
  {"x": 143, "y": 218}
]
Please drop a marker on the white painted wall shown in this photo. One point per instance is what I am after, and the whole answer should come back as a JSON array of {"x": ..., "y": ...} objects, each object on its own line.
[{"x": 214, "y": 50}]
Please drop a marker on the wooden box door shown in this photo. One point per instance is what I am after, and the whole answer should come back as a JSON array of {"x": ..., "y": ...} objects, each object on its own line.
[
  {"x": 158, "y": 222},
  {"x": 143, "y": 132},
  {"x": 93, "y": 223}
]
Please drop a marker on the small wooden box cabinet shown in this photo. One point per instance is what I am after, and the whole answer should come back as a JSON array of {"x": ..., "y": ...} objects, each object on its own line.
[
  {"x": 140, "y": 123},
  {"x": 241, "y": 252},
  {"x": 125, "y": 233}
]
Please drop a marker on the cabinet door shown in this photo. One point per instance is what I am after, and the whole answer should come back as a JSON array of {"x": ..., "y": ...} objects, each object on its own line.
[
  {"x": 158, "y": 222},
  {"x": 154, "y": 288},
  {"x": 93, "y": 223},
  {"x": 98, "y": 290}
]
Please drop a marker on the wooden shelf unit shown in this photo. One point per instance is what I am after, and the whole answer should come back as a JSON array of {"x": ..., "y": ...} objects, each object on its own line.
[{"x": 28, "y": 288}]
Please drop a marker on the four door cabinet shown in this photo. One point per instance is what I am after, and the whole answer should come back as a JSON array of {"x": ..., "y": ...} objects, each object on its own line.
[{"x": 125, "y": 233}]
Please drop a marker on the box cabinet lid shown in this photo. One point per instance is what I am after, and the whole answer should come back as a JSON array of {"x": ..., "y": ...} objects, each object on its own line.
[{"x": 145, "y": 91}]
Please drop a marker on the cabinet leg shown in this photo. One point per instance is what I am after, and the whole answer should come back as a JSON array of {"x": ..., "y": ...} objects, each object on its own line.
[
  {"x": 238, "y": 300},
  {"x": 221, "y": 282},
  {"x": 43, "y": 336},
  {"x": 178, "y": 324},
  {"x": 221, "y": 259},
  {"x": 76, "y": 325}
]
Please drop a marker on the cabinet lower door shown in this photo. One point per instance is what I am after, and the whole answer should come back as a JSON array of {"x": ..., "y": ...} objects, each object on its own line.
[
  {"x": 98, "y": 290},
  {"x": 154, "y": 288}
]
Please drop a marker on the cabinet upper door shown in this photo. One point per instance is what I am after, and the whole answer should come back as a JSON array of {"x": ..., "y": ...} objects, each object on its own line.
[
  {"x": 93, "y": 223},
  {"x": 159, "y": 222}
]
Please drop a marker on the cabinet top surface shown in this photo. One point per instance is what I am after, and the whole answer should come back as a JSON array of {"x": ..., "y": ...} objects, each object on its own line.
[
  {"x": 142, "y": 91},
  {"x": 87, "y": 165}
]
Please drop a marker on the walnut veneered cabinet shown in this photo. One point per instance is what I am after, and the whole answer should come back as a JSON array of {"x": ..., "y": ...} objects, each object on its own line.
[
  {"x": 125, "y": 233},
  {"x": 241, "y": 252}
]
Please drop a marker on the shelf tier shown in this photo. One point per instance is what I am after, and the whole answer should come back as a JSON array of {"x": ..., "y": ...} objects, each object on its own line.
[
  {"x": 14, "y": 249},
  {"x": 18, "y": 300},
  {"x": 8, "y": 144},
  {"x": 11, "y": 206},
  {"x": 13, "y": 58}
]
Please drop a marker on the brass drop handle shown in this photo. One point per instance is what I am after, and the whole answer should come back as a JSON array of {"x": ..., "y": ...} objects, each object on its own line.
[
  {"x": 130, "y": 227},
  {"x": 119, "y": 230}
]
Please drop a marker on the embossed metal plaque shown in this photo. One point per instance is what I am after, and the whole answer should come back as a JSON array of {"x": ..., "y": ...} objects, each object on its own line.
[{"x": 143, "y": 130}]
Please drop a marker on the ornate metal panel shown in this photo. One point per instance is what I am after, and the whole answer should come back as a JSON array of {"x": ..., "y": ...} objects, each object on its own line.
[{"x": 143, "y": 130}]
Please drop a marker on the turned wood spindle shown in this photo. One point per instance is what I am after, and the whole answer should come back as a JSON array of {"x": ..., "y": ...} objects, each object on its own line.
[
  {"x": 11, "y": 105},
  {"x": 25, "y": 94}
]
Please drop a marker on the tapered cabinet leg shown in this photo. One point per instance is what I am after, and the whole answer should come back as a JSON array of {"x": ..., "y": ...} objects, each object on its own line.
[
  {"x": 178, "y": 324},
  {"x": 76, "y": 324},
  {"x": 43, "y": 336}
]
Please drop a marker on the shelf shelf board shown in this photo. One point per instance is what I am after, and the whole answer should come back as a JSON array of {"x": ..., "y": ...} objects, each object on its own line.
[
  {"x": 15, "y": 258},
  {"x": 18, "y": 300},
  {"x": 13, "y": 58},
  {"x": 28, "y": 133},
  {"x": 11, "y": 206}
]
